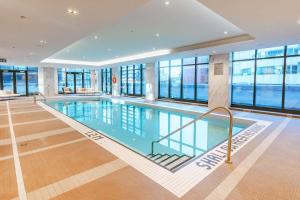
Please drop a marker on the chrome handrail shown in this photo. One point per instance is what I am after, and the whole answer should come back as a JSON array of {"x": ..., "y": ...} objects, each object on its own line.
[
  {"x": 198, "y": 118},
  {"x": 39, "y": 93}
]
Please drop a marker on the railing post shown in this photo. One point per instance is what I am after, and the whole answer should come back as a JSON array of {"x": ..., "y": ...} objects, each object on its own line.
[
  {"x": 229, "y": 138},
  {"x": 152, "y": 150},
  {"x": 34, "y": 98},
  {"x": 228, "y": 160}
]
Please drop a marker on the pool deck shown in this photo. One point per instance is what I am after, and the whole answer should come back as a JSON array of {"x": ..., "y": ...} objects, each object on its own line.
[{"x": 41, "y": 157}]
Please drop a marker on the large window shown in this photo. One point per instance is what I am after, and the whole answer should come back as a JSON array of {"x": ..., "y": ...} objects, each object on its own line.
[
  {"x": 184, "y": 79},
  {"x": 106, "y": 80},
  {"x": 19, "y": 79},
  {"x": 267, "y": 78},
  {"x": 74, "y": 79},
  {"x": 132, "y": 80}
]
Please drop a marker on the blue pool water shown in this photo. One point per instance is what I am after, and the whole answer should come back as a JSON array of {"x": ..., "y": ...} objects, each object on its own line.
[{"x": 137, "y": 126}]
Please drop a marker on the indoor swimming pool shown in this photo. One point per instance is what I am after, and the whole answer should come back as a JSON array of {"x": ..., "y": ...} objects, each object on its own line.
[{"x": 137, "y": 126}]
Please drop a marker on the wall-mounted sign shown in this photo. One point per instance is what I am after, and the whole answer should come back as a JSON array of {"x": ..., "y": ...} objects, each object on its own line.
[{"x": 218, "y": 68}]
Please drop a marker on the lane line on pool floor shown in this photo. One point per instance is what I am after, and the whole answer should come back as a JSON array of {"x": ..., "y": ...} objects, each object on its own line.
[
  {"x": 233, "y": 179},
  {"x": 17, "y": 164}
]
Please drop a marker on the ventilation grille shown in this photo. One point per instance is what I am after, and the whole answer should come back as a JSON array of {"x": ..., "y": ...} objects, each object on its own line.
[
  {"x": 2, "y": 60},
  {"x": 218, "y": 69}
]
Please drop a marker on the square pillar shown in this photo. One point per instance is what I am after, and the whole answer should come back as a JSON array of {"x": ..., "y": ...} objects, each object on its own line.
[
  {"x": 150, "y": 80},
  {"x": 48, "y": 81},
  {"x": 219, "y": 81},
  {"x": 116, "y": 87}
]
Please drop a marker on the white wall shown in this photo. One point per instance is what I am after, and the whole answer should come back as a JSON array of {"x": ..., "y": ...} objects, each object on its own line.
[
  {"x": 219, "y": 85},
  {"x": 47, "y": 81}
]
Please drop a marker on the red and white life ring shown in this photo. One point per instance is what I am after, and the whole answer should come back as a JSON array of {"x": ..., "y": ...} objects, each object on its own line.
[{"x": 114, "y": 80}]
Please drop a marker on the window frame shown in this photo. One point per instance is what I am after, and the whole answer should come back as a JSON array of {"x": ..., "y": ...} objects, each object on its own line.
[
  {"x": 135, "y": 67},
  {"x": 104, "y": 81},
  {"x": 181, "y": 99},
  {"x": 282, "y": 108}
]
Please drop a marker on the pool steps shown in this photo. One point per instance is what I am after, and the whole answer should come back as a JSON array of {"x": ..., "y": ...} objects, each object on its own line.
[{"x": 170, "y": 162}]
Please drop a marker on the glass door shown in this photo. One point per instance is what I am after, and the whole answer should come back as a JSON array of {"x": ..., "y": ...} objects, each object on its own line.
[
  {"x": 71, "y": 81},
  {"x": 8, "y": 81},
  {"x": 79, "y": 81},
  {"x": 74, "y": 81},
  {"x": 20, "y": 83}
]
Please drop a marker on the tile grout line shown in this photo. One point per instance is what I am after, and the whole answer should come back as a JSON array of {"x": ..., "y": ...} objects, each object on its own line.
[
  {"x": 76, "y": 180},
  {"x": 44, "y": 148},
  {"x": 52, "y": 147},
  {"x": 232, "y": 180},
  {"x": 18, "y": 170},
  {"x": 30, "y": 122}
]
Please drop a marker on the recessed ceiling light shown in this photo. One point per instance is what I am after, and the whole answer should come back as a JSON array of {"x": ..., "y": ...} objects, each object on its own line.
[
  {"x": 157, "y": 35},
  {"x": 96, "y": 37},
  {"x": 225, "y": 32},
  {"x": 43, "y": 42},
  {"x": 298, "y": 21},
  {"x": 72, "y": 11},
  {"x": 167, "y": 3}
]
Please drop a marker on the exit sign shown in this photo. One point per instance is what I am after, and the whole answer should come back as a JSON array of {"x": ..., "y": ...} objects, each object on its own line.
[{"x": 2, "y": 60}]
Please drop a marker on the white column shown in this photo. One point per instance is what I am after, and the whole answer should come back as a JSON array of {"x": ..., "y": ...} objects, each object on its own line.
[
  {"x": 116, "y": 87},
  {"x": 150, "y": 80},
  {"x": 219, "y": 81},
  {"x": 93, "y": 80},
  {"x": 47, "y": 81}
]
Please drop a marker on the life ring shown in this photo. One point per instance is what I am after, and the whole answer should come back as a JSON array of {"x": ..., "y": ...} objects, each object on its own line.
[{"x": 114, "y": 80}]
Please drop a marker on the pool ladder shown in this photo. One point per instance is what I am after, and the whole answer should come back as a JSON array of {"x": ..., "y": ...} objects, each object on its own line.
[
  {"x": 44, "y": 98},
  {"x": 156, "y": 157}
]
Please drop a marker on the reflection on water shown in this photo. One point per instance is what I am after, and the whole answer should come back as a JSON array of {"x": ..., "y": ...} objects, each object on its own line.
[{"x": 136, "y": 126}]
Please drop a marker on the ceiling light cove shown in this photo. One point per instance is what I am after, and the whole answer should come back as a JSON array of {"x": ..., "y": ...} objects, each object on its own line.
[
  {"x": 167, "y": 3},
  {"x": 109, "y": 62}
]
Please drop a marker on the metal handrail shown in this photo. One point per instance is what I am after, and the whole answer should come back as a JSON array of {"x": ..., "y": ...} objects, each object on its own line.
[
  {"x": 39, "y": 93},
  {"x": 200, "y": 117}
]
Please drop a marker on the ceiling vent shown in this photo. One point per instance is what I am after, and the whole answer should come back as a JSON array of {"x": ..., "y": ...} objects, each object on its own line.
[
  {"x": 218, "y": 69},
  {"x": 2, "y": 60}
]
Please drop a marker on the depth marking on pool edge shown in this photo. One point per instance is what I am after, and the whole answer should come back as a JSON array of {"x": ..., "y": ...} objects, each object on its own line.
[
  {"x": 233, "y": 179},
  {"x": 219, "y": 153},
  {"x": 183, "y": 180}
]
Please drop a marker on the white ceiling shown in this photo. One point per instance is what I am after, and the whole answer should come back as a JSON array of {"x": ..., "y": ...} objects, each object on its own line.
[
  {"x": 271, "y": 22},
  {"x": 183, "y": 22},
  {"x": 178, "y": 24},
  {"x": 48, "y": 20}
]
